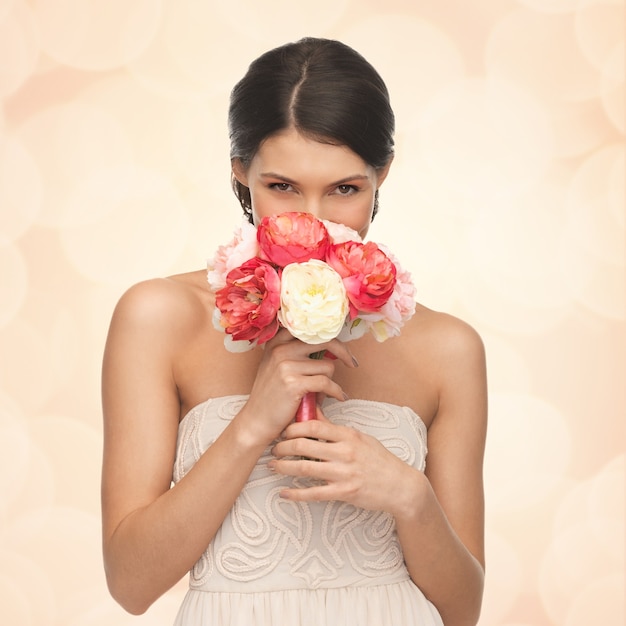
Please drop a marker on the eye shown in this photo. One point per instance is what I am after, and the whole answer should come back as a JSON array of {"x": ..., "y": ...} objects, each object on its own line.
[
  {"x": 280, "y": 186},
  {"x": 347, "y": 190}
]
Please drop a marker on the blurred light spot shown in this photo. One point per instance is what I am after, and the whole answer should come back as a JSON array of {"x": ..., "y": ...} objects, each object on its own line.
[
  {"x": 138, "y": 229},
  {"x": 507, "y": 368},
  {"x": 586, "y": 558},
  {"x": 573, "y": 564},
  {"x": 201, "y": 147},
  {"x": 13, "y": 283},
  {"x": 20, "y": 190},
  {"x": 142, "y": 119},
  {"x": 29, "y": 583},
  {"x": 415, "y": 57},
  {"x": 14, "y": 601},
  {"x": 513, "y": 246},
  {"x": 6, "y": 6},
  {"x": 499, "y": 311},
  {"x": 593, "y": 255},
  {"x": 528, "y": 451},
  {"x": 616, "y": 191},
  {"x": 600, "y": 602},
  {"x": 19, "y": 46},
  {"x": 68, "y": 142},
  {"x": 540, "y": 52},
  {"x": 486, "y": 138},
  {"x": 260, "y": 21},
  {"x": 597, "y": 285},
  {"x": 48, "y": 536},
  {"x": 551, "y": 6},
  {"x": 605, "y": 506},
  {"x": 106, "y": 612},
  {"x": 96, "y": 35},
  {"x": 27, "y": 375},
  {"x": 501, "y": 591},
  {"x": 76, "y": 476},
  {"x": 15, "y": 454},
  {"x": 187, "y": 59},
  {"x": 612, "y": 89},
  {"x": 593, "y": 221},
  {"x": 599, "y": 28},
  {"x": 192, "y": 38},
  {"x": 579, "y": 127},
  {"x": 65, "y": 343}
]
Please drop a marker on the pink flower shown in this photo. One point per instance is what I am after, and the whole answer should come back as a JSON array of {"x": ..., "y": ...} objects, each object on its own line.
[
  {"x": 249, "y": 302},
  {"x": 401, "y": 305},
  {"x": 241, "y": 248},
  {"x": 368, "y": 274},
  {"x": 391, "y": 317},
  {"x": 292, "y": 238},
  {"x": 339, "y": 233}
]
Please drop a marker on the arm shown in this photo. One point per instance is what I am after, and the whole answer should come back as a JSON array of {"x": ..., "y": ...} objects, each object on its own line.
[
  {"x": 439, "y": 515},
  {"x": 446, "y": 557},
  {"x": 153, "y": 534}
]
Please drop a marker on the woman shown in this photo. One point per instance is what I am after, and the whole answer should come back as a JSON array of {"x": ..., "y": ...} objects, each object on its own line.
[{"x": 369, "y": 535}]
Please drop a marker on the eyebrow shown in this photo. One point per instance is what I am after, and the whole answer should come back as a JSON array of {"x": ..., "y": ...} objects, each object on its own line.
[{"x": 293, "y": 182}]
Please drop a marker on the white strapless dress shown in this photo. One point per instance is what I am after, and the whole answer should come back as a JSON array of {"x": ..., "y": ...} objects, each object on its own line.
[{"x": 281, "y": 563}]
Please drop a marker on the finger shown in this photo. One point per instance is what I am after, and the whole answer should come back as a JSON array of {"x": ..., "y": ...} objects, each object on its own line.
[
  {"x": 305, "y": 467},
  {"x": 311, "y": 367},
  {"x": 282, "y": 336},
  {"x": 319, "y": 493},
  {"x": 288, "y": 449},
  {"x": 334, "y": 350},
  {"x": 320, "y": 415},
  {"x": 321, "y": 384},
  {"x": 321, "y": 428},
  {"x": 340, "y": 351}
]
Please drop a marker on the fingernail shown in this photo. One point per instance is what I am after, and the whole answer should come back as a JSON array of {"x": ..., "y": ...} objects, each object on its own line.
[
  {"x": 271, "y": 466},
  {"x": 345, "y": 396},
  {"x": 356, "y": 363}
]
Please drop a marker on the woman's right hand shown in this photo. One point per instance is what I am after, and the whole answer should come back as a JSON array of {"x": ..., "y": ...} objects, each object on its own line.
[{"x": 285, "y": 375}]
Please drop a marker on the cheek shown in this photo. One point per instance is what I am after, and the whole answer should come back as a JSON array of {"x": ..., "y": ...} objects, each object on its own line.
[
  {"x": 262, "y": 206},
  {"x": 364, "y": 219}
]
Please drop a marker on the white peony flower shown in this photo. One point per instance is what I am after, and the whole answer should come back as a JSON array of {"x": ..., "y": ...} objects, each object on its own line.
[{"x": 313, "y": 301}]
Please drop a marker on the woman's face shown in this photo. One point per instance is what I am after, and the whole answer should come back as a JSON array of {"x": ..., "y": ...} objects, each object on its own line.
[{"x": 291, "y": 172}]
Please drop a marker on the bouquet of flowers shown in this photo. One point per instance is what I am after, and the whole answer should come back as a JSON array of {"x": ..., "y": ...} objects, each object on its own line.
[{"x": 315, "y": 278}]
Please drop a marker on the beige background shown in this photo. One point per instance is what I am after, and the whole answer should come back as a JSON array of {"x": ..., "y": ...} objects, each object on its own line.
[{"x": 506, "y": 201}]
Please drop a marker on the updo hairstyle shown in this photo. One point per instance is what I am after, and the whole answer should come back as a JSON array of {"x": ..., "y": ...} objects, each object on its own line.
[{"x": 322, "y": 88}]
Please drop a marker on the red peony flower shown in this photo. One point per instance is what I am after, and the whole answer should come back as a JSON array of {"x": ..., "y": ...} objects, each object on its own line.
[
  {"x": 249, "y": 302},
  {"x": 368, "y": 274},
  {"x": 292, "y": 238}
]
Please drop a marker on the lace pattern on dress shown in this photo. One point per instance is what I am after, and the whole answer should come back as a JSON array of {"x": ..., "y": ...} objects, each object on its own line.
[{"x": 301, "y": 545}]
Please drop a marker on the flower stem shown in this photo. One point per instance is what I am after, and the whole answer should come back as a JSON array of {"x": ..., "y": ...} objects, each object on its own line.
[{"x": 308, "y": 405}]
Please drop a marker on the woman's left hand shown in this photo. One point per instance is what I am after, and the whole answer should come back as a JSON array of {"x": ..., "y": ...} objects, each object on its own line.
[{"x": 353, "y": 467}]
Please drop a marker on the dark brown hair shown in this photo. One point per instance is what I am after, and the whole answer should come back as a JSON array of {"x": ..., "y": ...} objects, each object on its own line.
[{"x": 322, "y": 88}]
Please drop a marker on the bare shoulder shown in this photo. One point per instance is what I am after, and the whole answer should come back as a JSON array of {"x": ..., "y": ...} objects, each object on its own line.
[
  {"x": 154, "y": 324},
  {"x": 153, "y": 327},
  {"x": 170, "y": 303},
  {"x": 442, "y": 337}
]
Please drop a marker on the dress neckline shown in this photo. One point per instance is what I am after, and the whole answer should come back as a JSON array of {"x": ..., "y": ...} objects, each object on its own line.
[{"x": 349, "y": 401}]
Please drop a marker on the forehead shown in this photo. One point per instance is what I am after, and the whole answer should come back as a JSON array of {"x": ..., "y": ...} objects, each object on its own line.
[{"x": 297, "y": 153}]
